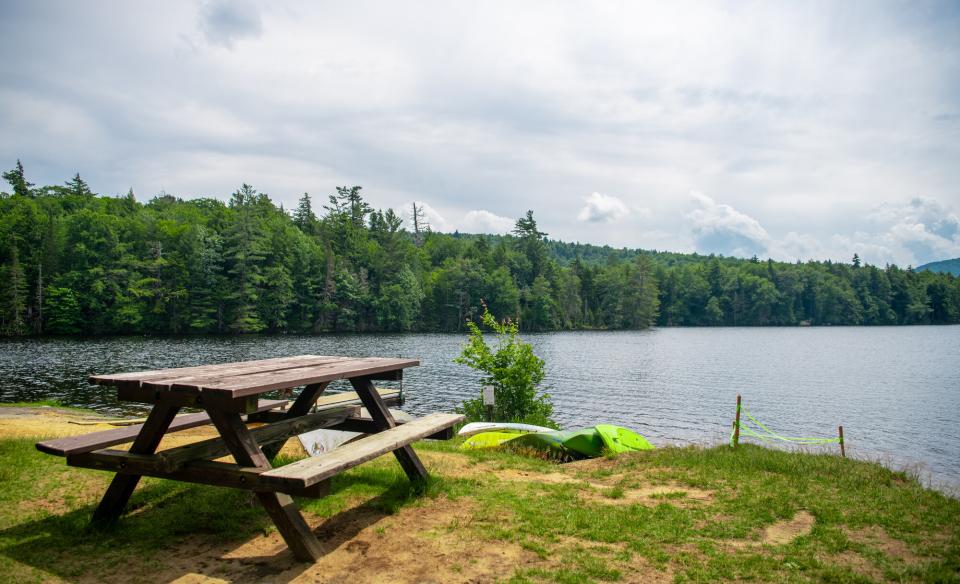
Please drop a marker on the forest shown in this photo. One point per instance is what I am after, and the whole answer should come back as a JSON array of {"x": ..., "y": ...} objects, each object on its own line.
[{"x": 76, "y": 263}]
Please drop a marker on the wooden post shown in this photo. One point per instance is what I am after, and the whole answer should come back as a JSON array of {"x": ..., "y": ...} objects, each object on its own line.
[
  {"x": 736, "y": 425},
  {"x": 382, "y": 417},
  {"x": 123, "y": 484},
  {"x": 843, "y": 451}
]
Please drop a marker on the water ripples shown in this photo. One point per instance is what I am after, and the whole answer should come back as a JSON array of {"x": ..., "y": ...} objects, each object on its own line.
[{"x": 896, "y": 390}]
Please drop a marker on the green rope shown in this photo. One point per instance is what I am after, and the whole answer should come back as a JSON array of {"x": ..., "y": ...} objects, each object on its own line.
[{"x": 768, "y": 435}]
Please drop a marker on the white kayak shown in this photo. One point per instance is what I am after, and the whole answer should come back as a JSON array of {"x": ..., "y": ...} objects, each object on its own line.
[{"x": 478, "y": 427}]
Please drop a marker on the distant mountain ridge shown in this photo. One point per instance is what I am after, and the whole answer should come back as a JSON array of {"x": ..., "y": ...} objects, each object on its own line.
[{"x": 944, "y": 266}]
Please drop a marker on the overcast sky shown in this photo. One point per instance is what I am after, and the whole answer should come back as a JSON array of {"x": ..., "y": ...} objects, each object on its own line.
[{"x": 791, "y": 130}]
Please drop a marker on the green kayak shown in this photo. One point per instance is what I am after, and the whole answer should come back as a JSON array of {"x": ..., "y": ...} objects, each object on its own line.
[{"x": 585, "y": 443}]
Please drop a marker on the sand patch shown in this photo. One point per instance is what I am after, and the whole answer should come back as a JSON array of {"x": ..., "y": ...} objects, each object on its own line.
[
  {"x": 671, "y": 493},
  {"x": 876, "y": 537},
  {"x": 422, "y": 543},
  {"x": 780, "y": 533},
  {"x": 608, "y": 492},
  {"x": 784, "y": 532},
  {"x": 856, "y": 563}
]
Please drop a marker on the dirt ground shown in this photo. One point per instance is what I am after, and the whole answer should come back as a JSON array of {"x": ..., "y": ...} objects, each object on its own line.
[{"x": 418, "y": 544}]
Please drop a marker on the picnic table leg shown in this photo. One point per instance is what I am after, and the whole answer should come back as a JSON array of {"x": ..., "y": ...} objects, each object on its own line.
[
  {"x": 382, "y": 417},
  {"x": 122, "y": 485},
  {"x": 301, "y": 407},
  {"x": 279, "y": 506}
]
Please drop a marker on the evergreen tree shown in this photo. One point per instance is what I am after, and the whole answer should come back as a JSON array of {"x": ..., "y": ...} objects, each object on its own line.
[
  {"x": 87, "y": 264},
  {"x": 18, "y": 180},
  {"x": 303, "y": 217},
  {"x": 245, "y": 252},
  {"x": 15, "y": 296},
  {"x": 78, "y": 187}
]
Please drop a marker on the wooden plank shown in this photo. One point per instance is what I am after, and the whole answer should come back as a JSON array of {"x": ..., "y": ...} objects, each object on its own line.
[
  {"x": 121, "y": 487},
  {"x": 97, "y": 440},
  {"x": 390, "y": 397},
  {"x": 264, "y": 364},
  {"x": 352, "y": 397},
  {"x": 369, "y": 426},
  {"x": 190, "y": 399},
  {"x": 280, "y": 506},
  {"x": 256, "y": 383},
  {"x": 312, "y": 470},
  {"x": 300, "y": 406},
  {"x": 277, "y": 432},
  {"x": 230, "y": 370},
  {"x": 219, "y": 474},
  {"x": 381, "y": 415}
]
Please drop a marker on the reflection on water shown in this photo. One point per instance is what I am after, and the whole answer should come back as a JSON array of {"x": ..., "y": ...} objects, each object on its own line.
[{"x": 896, "y": 390}]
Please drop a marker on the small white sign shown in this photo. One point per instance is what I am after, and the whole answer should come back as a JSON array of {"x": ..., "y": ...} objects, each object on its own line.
[{"x": 488, "y": 397}]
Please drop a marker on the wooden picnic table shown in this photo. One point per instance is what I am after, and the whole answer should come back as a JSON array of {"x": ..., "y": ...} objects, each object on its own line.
[{"x": 230, "y": 396}]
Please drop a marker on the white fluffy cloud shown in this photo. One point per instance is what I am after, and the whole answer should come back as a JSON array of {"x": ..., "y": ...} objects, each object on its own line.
[
  {"x": 602, "y": 208},
  {"x": 475, "y": 221},
  {"x": 719, "y": 228},
  {"x": 911, "y": 233},
  {"x": 481, "y": 221},
  {"x": 771, "y": 108},
  {"x": 916, "y": 232},
  {"x": 430, "y": 219}
]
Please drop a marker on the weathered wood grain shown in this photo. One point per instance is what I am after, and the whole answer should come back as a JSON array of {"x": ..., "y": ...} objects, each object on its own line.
[
  {"x": 265, "y": 436},
  {"x": 97, "y": 440},
  {"x": 365, "y": 425},
  {"x": 259, "y": 364},
  {"x": 312, "y": 470},
  {"x": 280, "y": 506},
  {"x": 121, "y": 487},
  {"x": 300, "y": 407},
  {"x": 205, "y": 472},
  {"x": 255, "y": 383},
  {"x": 381, "y": 415}
]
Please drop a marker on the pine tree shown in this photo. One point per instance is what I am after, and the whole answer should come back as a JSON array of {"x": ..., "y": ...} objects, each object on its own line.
[
  {"x": 18, "y": 180},
  {"x": 303, "y": 217},
  {"x": 77, "y": 186},
  {"x": 856, "y": 261},
  {"x": 245, "y": 252},
  {"x": 15, "y": 296},
  {"x": 641, "y": 301}
]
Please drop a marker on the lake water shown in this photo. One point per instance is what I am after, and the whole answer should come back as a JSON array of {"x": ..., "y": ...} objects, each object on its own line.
[{"x": 896, "y": 390}]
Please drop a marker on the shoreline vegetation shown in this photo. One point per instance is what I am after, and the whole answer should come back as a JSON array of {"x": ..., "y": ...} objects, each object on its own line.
[
  {"x": 692, "y": 514},
  {"x": 76, "y": 263}
]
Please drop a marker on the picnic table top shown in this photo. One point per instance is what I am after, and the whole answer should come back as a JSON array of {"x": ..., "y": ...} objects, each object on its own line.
[{"x": 245, "y": 378}]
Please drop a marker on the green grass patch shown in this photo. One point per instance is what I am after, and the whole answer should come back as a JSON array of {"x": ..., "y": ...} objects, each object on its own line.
[{"x": 869, "y": 523}]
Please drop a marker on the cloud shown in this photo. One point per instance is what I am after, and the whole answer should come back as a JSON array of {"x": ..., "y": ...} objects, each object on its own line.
[
  {"x": 602, "y": 208},
  {"x": 914, "y": 232},
  {"x": 431, "y": 218},
  {"x": 224, "y": 22},
  {"x": 475, "y": 221},
  {"x": 482, "y": 221},
  {"x": 528, "y": 109},
  {"x": 719, "y": 228}
]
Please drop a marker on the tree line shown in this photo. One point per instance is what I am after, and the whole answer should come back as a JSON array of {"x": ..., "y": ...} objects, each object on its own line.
[{"x": 73, "y": 262}]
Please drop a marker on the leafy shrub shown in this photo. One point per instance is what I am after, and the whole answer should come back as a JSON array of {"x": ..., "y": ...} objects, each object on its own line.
[{"x": 512, "y": 369}]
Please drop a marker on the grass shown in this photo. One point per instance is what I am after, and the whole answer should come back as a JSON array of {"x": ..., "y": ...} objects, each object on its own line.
[
  {"x": 585, "y": 528},
  {"x": 45, "y": 403}
]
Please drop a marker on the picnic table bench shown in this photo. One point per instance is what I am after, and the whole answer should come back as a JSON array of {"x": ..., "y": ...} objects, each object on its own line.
[{"x": 229, "y": 396}]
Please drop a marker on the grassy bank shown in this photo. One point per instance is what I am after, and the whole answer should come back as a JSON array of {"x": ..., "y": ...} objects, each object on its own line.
[{"x": 673, "y": 514}]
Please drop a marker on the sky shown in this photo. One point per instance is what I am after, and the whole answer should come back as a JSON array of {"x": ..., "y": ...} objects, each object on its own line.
[{"x": 791, "y": 130}]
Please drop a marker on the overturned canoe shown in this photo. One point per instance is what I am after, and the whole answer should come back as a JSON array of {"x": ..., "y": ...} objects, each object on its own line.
[
  {"x": 584, "y": 443},
  {"x": 478, "y": 427}
]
